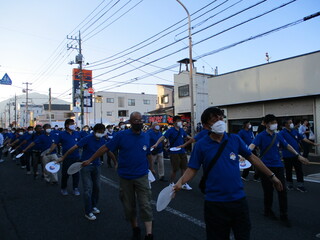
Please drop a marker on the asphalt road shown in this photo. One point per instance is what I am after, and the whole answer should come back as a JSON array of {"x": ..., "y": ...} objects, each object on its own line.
[{"x": 32, "y": 209}]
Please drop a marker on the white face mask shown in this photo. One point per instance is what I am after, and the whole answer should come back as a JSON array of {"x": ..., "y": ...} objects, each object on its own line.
[
  {"x": 56, "y": 128},
  {"x": 123, "y": 126},
  {"x": 30, "y": 132},
  {"x": 250, "y": 126},
  {"x": 219, "y": 127},
  {"x": 291, "y": 125},
  {"x": 273, "y": 127},
  {"x": 157, "y": 127},
  {"x": 48, "y": 130},
  {"x": 72, "y": 127},
  {"x": 20, "y": 133},
  {"x": 99, "y": 135},
  {"x": 110, "y": 130},
  {"x": 179, "y": 124}
]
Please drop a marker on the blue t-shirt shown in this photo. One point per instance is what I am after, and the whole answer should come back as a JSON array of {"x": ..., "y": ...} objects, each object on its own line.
[
  {"x": 90, "y": 145},
  {"x": 246, "y": 135},
  {"x": 204, "y": 132},
  {"x": 224, "y": 182},
  {"x": 154, "y": 136},
  {"x": 176, "y": 138},
  {"x": 26, "y": 137},
  {"x": 44, "y": 141},
  {"x": 84, "y": 133},
  {"x": 272, "y": 158},
  {"x": 67, "y": 141},
  {"x": 55, "y": 132},
  {"x": 133, "y": 150},
  {"x": 293, "y": 138},
  {"x": 109, "y": 136},
  {"x": 35, "y": 136}
]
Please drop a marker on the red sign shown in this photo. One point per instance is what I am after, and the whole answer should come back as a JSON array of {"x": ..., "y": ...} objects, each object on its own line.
[{"x": 90, "y": 90}]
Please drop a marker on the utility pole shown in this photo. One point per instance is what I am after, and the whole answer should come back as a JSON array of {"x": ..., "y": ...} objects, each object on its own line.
[
  {"x": 15, "y": 110},
  {"x": 9, "y": 105},
  {"x": 26, "y": 90},
  {"x": 79, "y": 60},
  {"x": 191, "y": 70},
  {"x": 50, "y": 106}
]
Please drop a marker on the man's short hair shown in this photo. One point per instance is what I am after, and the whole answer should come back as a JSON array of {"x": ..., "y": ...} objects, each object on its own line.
[
  {"x": 68, "y": 122},
  {"x": 269, "y": 118},
  {"x": 286, "y": 120},
  {"x": 98, "y": 127},
  {"x": 30, "y": 127},
  {"x": 209, "y": 113},
  {"x": 245, "y": 123},
  {"x": 47, "y": 125},
  {"x": 176, "y": 118}
]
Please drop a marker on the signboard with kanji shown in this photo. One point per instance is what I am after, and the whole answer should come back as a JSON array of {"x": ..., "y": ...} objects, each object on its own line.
[{"x": 87, "y": 84}]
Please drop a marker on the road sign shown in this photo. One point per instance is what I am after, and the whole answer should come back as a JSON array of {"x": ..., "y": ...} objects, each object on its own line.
[
  {"x": 6, "y": 80},
  {"x": 90, "y": 90}
]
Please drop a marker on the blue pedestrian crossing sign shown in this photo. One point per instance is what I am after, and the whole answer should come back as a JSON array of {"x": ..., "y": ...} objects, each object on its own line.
[{"x": 6, "y": 80}]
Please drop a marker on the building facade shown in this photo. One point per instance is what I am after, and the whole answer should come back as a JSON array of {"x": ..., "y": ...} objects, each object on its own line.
[
  {"x": 285, "y": 88},
  {"x": 112, "y": 107},
  {"x": 58, "y": 114},
  {"x": 182, "y": 97}
]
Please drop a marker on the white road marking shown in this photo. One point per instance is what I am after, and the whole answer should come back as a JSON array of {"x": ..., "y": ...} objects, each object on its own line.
[{"x": 168, "y": 209}]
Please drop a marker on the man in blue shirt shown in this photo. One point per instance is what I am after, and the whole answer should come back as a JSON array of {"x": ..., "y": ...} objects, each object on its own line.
[
  {"x": 90, "y": 174},
  {"x": 1, "y": 144},
  {"x": 204, "y": 131},
  {"x": 225, "y": 205},
  {"x": 304, "y": 130},
  {"x": 134, "y": 154},
  {"x": 269, "y": 143},
  {"x": 293, "y": 137},
  {"x": 109, "y": 134},
  {"x": 247, "y": 136},
  {"x": 178, "y": 159},
  {"x": 68, "y": 139},
  {"x": 43, "y": 142},
  {"x": 24, "y": 141},
  {"x": 157, "y": 153}
]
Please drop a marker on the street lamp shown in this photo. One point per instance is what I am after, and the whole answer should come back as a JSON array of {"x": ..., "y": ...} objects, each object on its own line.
[
  {"x": 191, "y": 69},
  {"x": 100, "y": 98}
]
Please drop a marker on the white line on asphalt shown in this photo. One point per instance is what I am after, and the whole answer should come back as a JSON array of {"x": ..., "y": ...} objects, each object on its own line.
[{"x": 168, "y": 209}]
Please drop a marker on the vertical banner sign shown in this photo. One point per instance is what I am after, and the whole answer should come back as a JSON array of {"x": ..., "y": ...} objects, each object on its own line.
[{"x": 87, "y": 84}]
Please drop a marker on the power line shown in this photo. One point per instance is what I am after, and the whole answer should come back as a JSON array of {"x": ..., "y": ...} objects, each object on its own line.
[
  {"x": 172, "y": 53},
  {"x": 179, "y": 40},
  {"x": 86, "y": 39},
  {"x": 136, "y": 45},
  {"x": 83, "y": 31},
  {"x": 224, "y": 48}
]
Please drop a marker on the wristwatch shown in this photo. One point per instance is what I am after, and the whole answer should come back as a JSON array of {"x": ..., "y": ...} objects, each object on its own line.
[{"x": 271, "y": 176}]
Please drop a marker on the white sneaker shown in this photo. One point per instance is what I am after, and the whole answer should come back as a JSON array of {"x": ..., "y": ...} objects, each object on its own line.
[
  {"x": 1, "y": 160},
  {"x": 95, "y": 210},
  {"x": 91, "y": 216},
  {"x": 186, "y": 187}
]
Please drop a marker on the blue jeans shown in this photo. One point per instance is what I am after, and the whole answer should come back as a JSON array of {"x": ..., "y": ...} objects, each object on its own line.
[{"x": 90, "y": 176}]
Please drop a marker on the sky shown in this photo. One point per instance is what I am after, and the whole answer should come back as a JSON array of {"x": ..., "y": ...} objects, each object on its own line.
[{"x": 121, "y": 41}]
